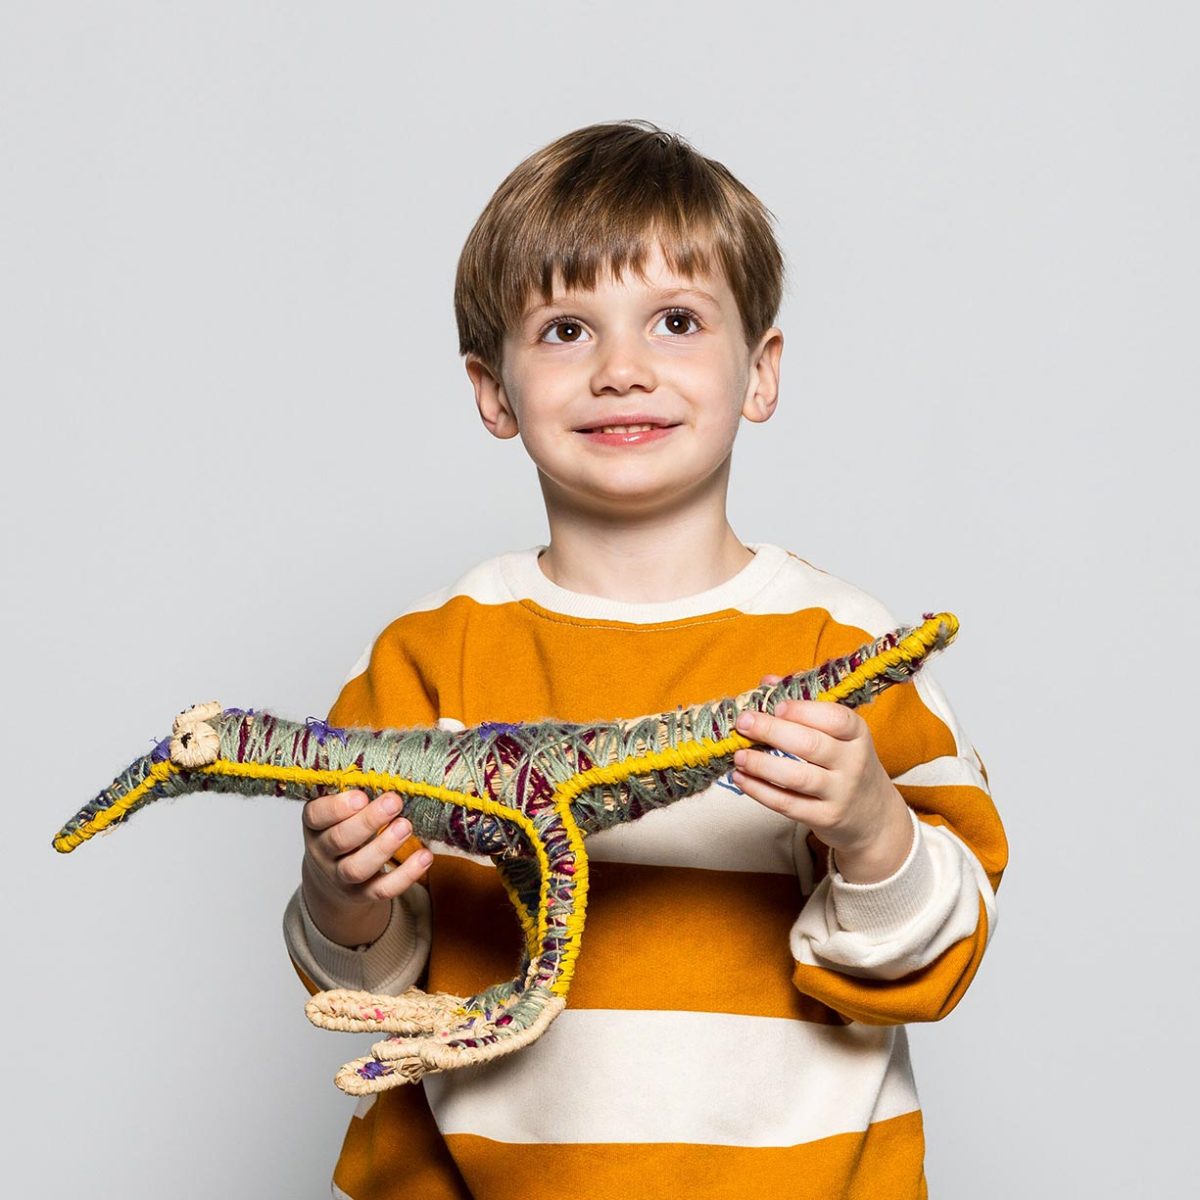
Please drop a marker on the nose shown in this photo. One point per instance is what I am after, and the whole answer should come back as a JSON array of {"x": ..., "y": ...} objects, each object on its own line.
[{"x": 623, "y": 364}]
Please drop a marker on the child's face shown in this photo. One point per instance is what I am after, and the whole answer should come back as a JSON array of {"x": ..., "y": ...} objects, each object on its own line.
[{"x": 619, "y": 355}]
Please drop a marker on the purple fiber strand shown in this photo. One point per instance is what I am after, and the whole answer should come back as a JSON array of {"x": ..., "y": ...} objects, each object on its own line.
[{"x": 322, "y": 730}]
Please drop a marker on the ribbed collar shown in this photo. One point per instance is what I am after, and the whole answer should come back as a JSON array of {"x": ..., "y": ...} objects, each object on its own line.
[{"x": 525, "y": 581}]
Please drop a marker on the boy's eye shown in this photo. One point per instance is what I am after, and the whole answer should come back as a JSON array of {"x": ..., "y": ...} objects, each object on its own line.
[
  {"x": 677, "y": 319},
  {"x": 571, "y": 331}
]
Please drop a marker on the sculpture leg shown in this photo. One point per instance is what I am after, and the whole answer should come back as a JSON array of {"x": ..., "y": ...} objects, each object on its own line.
[{"x": 439, "y": 1032}]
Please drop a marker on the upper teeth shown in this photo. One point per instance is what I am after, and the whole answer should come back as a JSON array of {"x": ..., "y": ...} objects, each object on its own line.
[{"x": 623, "y": 428}]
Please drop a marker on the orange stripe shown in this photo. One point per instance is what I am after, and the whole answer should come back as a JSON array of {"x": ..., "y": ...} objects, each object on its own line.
[
  {"x": 882, "y": 1163},
  {"x": 925, "y": 995},
  {"x": 396, "y": 1152},
  {"x": 969, "y": 812},
  {"x": 500, "y": 666},
  {"x": 656, "y": 938}
]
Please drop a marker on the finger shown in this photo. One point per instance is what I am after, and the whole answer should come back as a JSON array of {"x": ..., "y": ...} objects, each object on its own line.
[
  {"x": 833, "y": 720},
  {"x": 836, "y": 720},
  {"x": 786, "y": 734},
  {"x": 770, "y": 679},
  {"x": 398, "y": 880},
  {"x": 364, "y": 863},
  {"x": 327, "y": 810},
  {"x": 797, "y": 808},
  {"x": 791, "y": 774},
  {"x": 358, "y": 829}
]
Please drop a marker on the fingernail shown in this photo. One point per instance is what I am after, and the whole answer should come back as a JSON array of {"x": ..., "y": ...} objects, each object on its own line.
[
  {"x": 357, "y": 801},
  {"x": 424, "y": 858},
  {"x": 390, "y": 803},
  {"x": 739, "y": 757},
  {"x": 745, "y": 721},
  {"x": 400, "y": 826}
]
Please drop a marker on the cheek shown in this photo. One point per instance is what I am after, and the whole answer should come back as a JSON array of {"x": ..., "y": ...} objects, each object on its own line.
[{"x": 719, "y": 385}]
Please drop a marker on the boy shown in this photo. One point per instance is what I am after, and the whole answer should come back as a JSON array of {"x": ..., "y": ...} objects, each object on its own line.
[{"x": 736, "y": 1021}]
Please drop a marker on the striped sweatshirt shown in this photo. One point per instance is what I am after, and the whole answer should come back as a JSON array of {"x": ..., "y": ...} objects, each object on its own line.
[{"x": 736, "y": 1023}]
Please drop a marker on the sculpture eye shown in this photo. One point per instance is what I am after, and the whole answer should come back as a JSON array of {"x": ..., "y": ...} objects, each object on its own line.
[{"x": 196, "y": 743}]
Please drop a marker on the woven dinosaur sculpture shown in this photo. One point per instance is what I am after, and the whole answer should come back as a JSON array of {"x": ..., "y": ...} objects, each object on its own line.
[{"x": 525, "y": 794}]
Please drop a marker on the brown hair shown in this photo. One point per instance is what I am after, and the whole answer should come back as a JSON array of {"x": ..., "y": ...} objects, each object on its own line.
[{"x": 605, "y": 194}]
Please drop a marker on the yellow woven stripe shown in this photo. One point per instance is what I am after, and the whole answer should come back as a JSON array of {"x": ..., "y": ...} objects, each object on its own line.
[
  {"x": 913, "y": 646},
  {"x": 686, "y": 754},
  {"x": 102, "y": 820},
  {"x": 575, "y": 920},
  {"x": 353, "y": 777}
]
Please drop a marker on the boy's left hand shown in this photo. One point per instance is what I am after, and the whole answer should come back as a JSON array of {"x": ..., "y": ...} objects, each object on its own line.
[{"x": 840, "y": 790}]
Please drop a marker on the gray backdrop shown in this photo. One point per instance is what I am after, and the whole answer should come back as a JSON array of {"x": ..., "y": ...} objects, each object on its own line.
[{"x": 238, "y": 439}]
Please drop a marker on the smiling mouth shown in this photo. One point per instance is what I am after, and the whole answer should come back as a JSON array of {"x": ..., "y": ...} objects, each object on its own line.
[{"x": 641, "y": 427}]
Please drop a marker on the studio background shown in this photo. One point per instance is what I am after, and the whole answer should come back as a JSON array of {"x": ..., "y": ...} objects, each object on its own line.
[{"x": 238, "y": 439}]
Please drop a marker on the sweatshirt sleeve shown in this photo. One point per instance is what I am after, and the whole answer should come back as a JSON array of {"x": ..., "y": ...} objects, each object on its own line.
[
  {"x": 389, "y": 965},
  {"x": 385, "y": 690},
  {"x": 906, "y": 948}
]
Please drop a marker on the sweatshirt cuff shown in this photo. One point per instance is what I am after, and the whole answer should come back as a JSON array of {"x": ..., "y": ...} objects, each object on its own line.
[
  {"x": 887, "y": 905},
  {"x": 389, "y": 965}
]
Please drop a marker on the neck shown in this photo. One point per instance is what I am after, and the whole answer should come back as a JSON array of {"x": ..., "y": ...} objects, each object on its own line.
[{"x": 642, "y": 559}]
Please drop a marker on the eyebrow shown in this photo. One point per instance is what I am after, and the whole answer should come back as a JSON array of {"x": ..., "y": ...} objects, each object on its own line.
[{"x": 660, "y": 294}]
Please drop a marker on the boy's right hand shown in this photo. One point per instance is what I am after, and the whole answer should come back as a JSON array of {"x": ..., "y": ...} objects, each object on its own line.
[{"x": 348, "y": 842}]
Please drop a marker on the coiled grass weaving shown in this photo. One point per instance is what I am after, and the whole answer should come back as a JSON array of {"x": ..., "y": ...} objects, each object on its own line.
[{"x": 525, "y": 794}]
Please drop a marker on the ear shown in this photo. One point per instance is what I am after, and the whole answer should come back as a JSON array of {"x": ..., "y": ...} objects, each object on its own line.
[
  {"x": 762, "y": 389},
  {"x": 491, "y": 398}
]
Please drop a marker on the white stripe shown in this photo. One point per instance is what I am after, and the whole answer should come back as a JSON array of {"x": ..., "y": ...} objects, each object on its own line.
[
  {"x": 719, "y": 829},
  {"x": 939, "y": 772},
  {"x": 604, "y": 1075},
  {"x": 775, "y": 582}
]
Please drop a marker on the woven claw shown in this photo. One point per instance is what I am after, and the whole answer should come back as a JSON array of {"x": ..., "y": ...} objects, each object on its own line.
[
  {"x": 430, "y": 1032},
  {"x": 412, "y": 1012}
]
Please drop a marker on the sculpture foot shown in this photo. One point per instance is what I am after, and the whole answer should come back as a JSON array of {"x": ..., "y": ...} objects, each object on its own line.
[{"x": 401, "y": 1060}]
